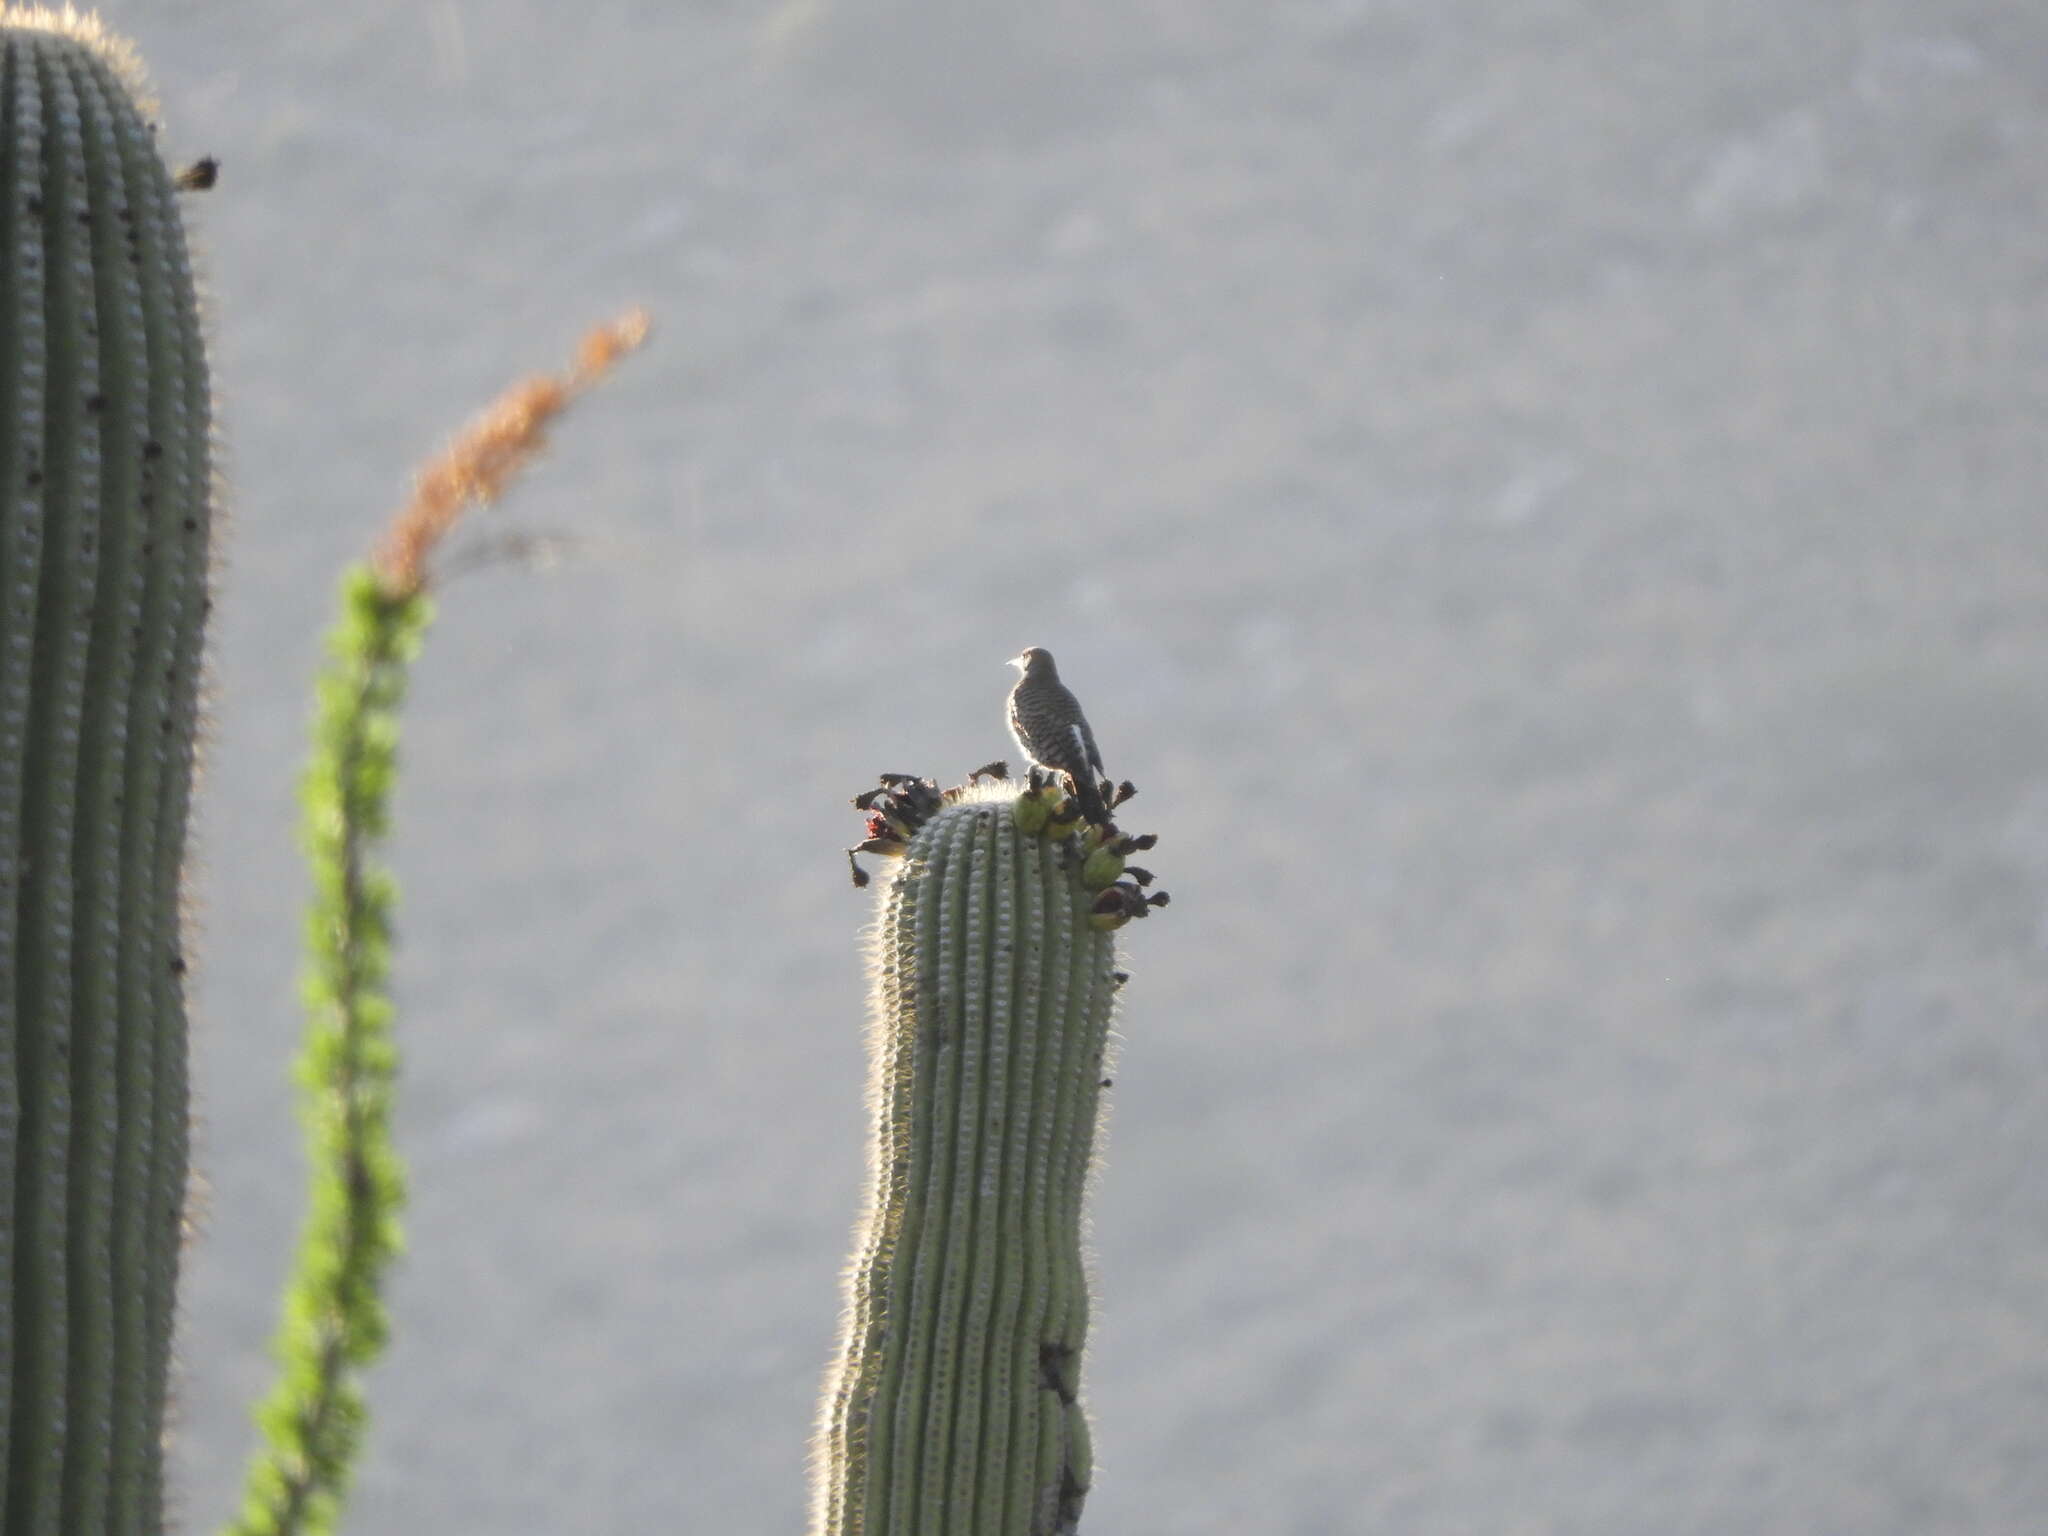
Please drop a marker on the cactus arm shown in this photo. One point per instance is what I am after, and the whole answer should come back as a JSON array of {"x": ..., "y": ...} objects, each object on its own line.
[
  {"x": 99, "y": 356},
  {"x": 953, "y": 1403}
]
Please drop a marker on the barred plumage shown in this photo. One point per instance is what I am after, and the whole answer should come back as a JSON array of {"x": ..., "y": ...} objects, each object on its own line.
[{"x": 1046, "y": 720}]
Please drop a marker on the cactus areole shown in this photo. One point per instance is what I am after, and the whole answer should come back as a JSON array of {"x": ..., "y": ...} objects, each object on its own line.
[
  {"x": 953, "y": 1406},
  {"x": 105, "y": 503}
]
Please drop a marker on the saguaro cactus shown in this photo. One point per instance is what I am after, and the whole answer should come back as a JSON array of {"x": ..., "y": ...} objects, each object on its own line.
[
  {"x": 953, "y": 1405},
  {"x": 105, "y": 500}
]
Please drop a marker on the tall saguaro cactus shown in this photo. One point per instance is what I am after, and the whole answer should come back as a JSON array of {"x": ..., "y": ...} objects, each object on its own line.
[
  {"x": 953, "y": 1406},
  {"x": 105, "y": 506}
]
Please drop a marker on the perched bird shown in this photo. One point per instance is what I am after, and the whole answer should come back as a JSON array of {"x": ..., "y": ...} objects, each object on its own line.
[{"x": 1050, "y": 729}]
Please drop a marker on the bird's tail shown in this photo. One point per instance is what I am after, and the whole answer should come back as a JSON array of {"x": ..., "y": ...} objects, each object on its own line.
[{"x": 1089, "y": 793}]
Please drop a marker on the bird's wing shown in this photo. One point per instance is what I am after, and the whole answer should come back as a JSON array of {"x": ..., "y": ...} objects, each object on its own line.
[{"x": 1086, "y": 738}]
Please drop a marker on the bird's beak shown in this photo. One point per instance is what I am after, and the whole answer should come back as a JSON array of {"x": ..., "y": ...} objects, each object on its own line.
[{"x": 1015, "y": 661}]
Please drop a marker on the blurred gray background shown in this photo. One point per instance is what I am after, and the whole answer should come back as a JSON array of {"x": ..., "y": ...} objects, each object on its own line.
[{"x": 1545, "y": 500}]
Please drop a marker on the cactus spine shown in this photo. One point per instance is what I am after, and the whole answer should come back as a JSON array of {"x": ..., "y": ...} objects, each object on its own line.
[
  {"x": 953, "y": 1405},
  {"x": 105, "y": 497}
]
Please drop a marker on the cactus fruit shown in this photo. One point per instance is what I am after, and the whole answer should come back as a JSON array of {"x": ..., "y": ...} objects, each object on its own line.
[
  {"x": 105, "y": 507},
  {"x": 953, "y": 1403}
]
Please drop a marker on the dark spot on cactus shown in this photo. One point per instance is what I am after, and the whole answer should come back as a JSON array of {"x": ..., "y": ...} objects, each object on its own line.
[
  {"x": 177, "y": 965},
  {"x": 95, "y": 402},
  {"x": 1072, "y": 1492},
  {"x": 34, "y": 206},
  {"x": 1107, "y": 1082},
  {"x": 152, "y": 450},
  {"x": 1053, "y": 1356},
  {"x": 1119, "y": 977},
  {"x": 34, "y": 479}
]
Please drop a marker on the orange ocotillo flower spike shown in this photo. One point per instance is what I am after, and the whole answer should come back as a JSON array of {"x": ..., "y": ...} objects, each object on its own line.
[{"x": 487, "y": 455}]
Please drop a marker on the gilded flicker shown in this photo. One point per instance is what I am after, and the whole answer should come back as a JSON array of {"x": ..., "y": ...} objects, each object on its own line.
[{"x": 1050, "y": 729}]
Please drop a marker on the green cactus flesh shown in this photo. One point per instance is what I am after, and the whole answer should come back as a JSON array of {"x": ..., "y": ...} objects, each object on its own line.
[
  {"x": 953, "y": 1406},
  {"x": 106, "y": 480}
]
